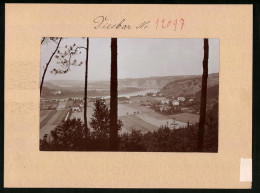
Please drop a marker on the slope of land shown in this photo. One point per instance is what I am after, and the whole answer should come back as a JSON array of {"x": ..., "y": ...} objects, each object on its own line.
[
  {"x": 149, "y": 82},
  {"x": 75, "y": 88},
  {"x": 189, "y": 86}
]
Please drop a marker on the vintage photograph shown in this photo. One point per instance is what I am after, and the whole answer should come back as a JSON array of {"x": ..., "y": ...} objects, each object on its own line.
[{"x": 129, "y": 94}]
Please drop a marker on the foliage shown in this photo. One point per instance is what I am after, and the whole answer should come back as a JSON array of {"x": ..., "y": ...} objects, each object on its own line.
[
  {"x": 64, "y": 58},
  {"x": 100, "y": 120},
  {"x": 69, "y": 135},
  {"x": 47, "y": 40},
  {"x": 131, "y": 142},
  {"x": 100, "y": 124},
  {"x": 162, "y": 140},
  {"x": 166, "y": 139},
  {"x": 211, "y": 130}
]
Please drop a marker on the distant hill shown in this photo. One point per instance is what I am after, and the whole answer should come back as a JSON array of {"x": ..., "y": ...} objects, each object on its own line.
[
  {"x": 189, "y": 86},
  {"x": 168, "y": 85},
  {"x": 75, "y": 84},
  {"x": 149, "y": 82},
  {"x": 212, "y": 92}
]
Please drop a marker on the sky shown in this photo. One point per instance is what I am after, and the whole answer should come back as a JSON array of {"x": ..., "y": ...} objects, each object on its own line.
[{"x": 137, "y": 58}]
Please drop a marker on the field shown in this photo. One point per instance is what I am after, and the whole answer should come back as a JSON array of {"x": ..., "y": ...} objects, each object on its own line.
[
  {"x": 133, "y": 116},
  {"x": 124, "y": 109},
  {"x": 142, "y": 118},
  {"x": 149, "y": 120},
  {"x": 79, "y": 115},
  {"x": 50, "y": 119},
  {"x": 145, "y": 122},
  {"x": 133, "y": 122},
  {"x": 186, "y": 117}
]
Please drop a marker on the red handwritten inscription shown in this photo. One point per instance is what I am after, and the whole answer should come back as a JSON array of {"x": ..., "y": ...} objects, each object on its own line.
[{"x": 176, "y": 24}]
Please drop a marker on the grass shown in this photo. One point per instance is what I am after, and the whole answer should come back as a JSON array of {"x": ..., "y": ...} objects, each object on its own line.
[
  {"x": 47, "y": 118},
  {"x": 123, "y": 109},
  {"x": 43, "y": 114},
  {"x": 60, "y": 115},
  {"x": 186, "y": 117},
  {"x": 51, "y": 120},
  {"x": 132, "y": 122},
  {"x": 147, "y": 120}
]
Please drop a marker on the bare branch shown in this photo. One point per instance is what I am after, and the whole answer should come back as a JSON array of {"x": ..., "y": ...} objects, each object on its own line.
[
  {"x": 42, "y": 40},
  {"x": 47, "y": 64}
]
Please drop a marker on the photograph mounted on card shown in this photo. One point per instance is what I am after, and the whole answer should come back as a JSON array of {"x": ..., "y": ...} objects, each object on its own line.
[
  {"x": 119, "y": 96},
  {"x": 165, "y": 94}
]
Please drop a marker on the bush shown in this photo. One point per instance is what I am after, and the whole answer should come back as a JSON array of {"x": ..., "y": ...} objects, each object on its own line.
[
  {"x": 131, "y": 142},
  {"x": 67, "y": 136},
  {"x": 70, "y": 136}
]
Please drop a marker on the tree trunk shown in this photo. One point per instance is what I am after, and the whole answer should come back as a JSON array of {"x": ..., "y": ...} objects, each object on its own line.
[
  {"x": 113, "y": 139},
  {"x": 47, "y": 65},
  {"x": 203, "y": 98},
  {"x": 86, "y": 91}
]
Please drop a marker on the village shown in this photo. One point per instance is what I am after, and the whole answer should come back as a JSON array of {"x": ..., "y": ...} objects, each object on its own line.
[
  {"x": 155, "y": 101},
  {"x": 141, "y": 112}
]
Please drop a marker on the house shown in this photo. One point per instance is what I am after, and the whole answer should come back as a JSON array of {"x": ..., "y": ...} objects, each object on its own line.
[
  {"x": 172, "y": 97},
  {"x": 191, "y": 101},
  {"x": 160, "y": 94},
  {"x": 76, "y": 109},
  {"x": 151, "y": 94},
  {"x": 158, "y": 99},
  {"x": 81, "y": 105},
  {"x": 69, "y": 104},
  {"x": 175, "y": 103},
  {"x": 165, "y": 108},
  {"x": 181, "y": 99},
  {"x": 165, "y": 101},
  {"x": 154, "y": 94},
  {"x": 57, "y": 92}
]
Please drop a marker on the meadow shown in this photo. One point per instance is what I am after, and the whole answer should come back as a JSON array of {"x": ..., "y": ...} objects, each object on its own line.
[{"x": 133, "y": 116}]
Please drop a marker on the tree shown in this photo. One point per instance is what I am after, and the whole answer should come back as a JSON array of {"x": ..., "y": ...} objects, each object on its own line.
[
  {"x": 86, "y": 89},
  {"x": 132, "y": 141},
  {"x": 45, "y": 41},
  {"x": 65, "y": 61},
  {"x": 100, "y": 124},
  {"x": 203, "y": 98},
  {"x": 113, "y": 141},
  {"x": 210, "y": 143},
  {"x": 67, "y": 136},
  {"x": 100, "y": 120}
]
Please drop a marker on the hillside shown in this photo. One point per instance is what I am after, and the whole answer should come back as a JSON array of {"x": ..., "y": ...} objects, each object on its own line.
[
  {"x": 212, "y": 92},
  {"x": 149, "y": 82},
  {"x": 188, "y": 86}
]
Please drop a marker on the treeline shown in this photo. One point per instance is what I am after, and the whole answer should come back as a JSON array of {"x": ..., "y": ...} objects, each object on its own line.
[{"x": 70, "y": 135}]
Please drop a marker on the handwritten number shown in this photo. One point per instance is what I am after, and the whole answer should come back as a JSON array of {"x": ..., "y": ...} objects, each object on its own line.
[
  {"x": 175, "y": 24},
  {"x": 182, "y": 22},
  {"x": 157, "y": 22},
  {"x": 163, "y": 23},
  {"x": 169, "y": 23}
]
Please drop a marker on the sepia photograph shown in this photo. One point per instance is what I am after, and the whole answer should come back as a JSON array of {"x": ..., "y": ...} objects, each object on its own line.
[{"x": 129, "y": 94}]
